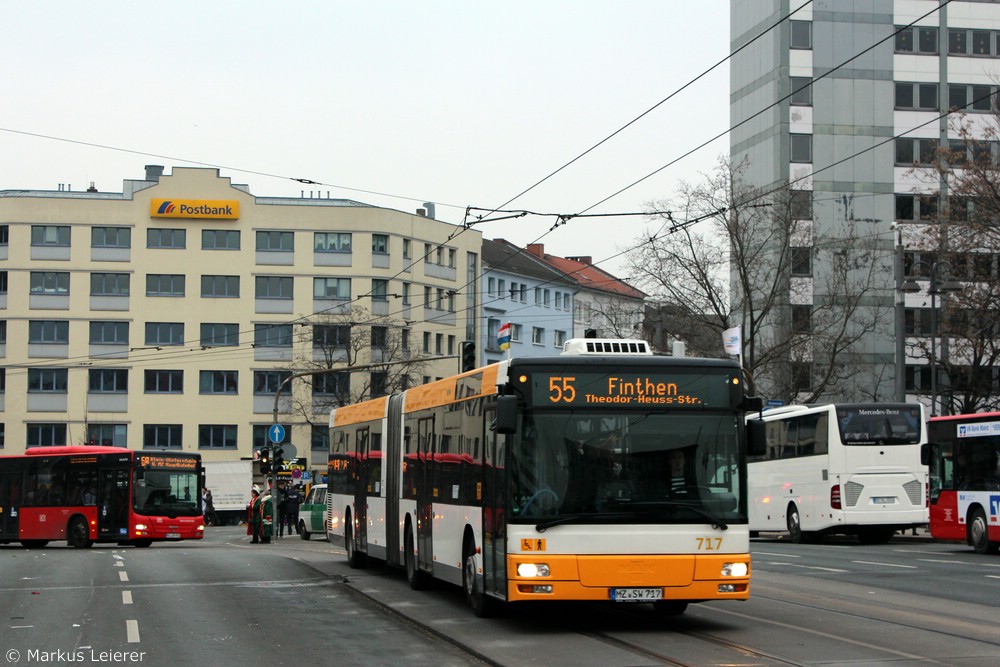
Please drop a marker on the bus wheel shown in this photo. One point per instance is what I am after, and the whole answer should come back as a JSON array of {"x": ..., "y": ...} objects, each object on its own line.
[
  {"x": 34, "y": 544},
  {"x": 142, "y": 544},
  {"x": 418, "y": 580},
  {"x": 979, "y": 536},
  {"x": 355, "y": 558},
  {"x": 303, "y": 533},
  {"x": 482, "y": 605},
  {"x": 78, "y": 533},
  {"x": 670, "y": 607},
  {"x": 795, "y": 532}
]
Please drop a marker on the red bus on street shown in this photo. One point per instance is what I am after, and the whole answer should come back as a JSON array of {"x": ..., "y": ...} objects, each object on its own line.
[
  {"x": 87, "y": 494},
  {"x": 963, "y": 456}
]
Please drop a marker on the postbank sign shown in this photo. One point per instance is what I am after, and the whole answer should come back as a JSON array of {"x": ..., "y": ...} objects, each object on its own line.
[{"x": 216, "y": 209}]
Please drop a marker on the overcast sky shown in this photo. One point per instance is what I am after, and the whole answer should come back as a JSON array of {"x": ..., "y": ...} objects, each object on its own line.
[{"x": 463, "y": 103}]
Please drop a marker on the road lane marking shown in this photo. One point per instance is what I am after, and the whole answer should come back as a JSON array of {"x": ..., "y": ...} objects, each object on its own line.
[
  {"x": 132, "y": 631},
  {"x": 126, "y": 597},
  {"x": 123, "y": 576},
  {"x": 119, "y": 563},
  {"x": 769, "y": 553},
  {"x": 807, "y": 567},
  {"x": 868, "y": 562}
]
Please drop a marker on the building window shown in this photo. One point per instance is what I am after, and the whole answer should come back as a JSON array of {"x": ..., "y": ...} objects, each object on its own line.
[
  {"x": 268, "y": 382},
  {"x": 452, "y": 258},
  {"x": 801, "y": 37},
  {"x": 971, "y": 97},
  {"x": 109, "y": 284},
  {"x": 427, "y": 342},
  {"x": 50, "y": 235},
  {"x": 800, "y": 205},
  {"x": 801, "y": 261},
  {"x": 801, "y": 148},
  {"x": 219, "y": 334},
  {"x": 380, "y": 337},
  {"x": 801, "y": 319},
  {"x": 915, "y": 152},
  {"x": 109, "y": 333},
  {"x": 50, "y": 282},
  {"x": 380, "y": 289},
  {"x": 107, "y": 381},
  {"x": 380, "y": 244},
  {"x": 912, "y": 208},
  {"x": 515, "y": 333},
  {"x": 331, "y": 288},
  {"x": 801, "y": 91},
  {"x": 3, "y": 332},
  {"x": 218, "y": 382},
  {"x": 331, "y": 336},
  {"x": 217, "y": 436},
  {"x": 164, "y": 333},
  {"x": 220, "y": 287},
  {"x": 164, "y": 382},
  {"x": 274, "y": 287},
  {"x": 46, "y": 435},
  {"x": 406, "y": 294},
  {"x": 406, "y": 249},
  {"x": 272, "y": 335},
  {"x": 164, "y": 284},
  {"x": 921, "y": 40},
  {"x": 320, "y": 439},
  {"x": 537, "y": 335},
  {"x": 921, "y": 96},
  {"x": 108, "y": 435},
  {"x": 332, "y": 242},
  {"x": 275, "y": 241},
  {"x": 48, "y": 331},
  {"x": 379, "y": 384},
  {"x": 162, "y": 436},
  {"x": 166, "y": 238},
  {"x": 111, "y": 237},
  {"x": 3, "y": 282},
  {"x": 559, "y": 338},
  {"x": 4, "y": 235},
  {"x": 331, "y": 384},
  {"x": 964, "y": 42},
  {"x": 47, "y": 380},
  {"x": 220, "y": 239}
]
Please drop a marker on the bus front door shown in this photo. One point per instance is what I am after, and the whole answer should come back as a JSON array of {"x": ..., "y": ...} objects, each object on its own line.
[
  {"x": 10, "y": 502},
  {"x": 112, "y": 504},
  {"x": 494, "y": 519}
]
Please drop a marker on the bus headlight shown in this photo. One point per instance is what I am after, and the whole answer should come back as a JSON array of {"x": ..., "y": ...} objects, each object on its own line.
[
  {"x": 141, "y": 526},
  {"x": 734, "y": 569},
  {"x": 532, "y": 570}
]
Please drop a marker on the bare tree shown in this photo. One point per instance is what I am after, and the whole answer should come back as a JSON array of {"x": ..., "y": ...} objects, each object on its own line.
[
  {"x": 348, "y": 340},
  {"x": 803, "y": 299}
]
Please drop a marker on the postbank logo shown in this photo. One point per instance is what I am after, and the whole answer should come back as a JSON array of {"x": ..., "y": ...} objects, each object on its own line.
[{"x": 224, "y": 209}]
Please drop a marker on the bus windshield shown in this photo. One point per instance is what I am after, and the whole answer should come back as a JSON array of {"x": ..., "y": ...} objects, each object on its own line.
[
  {"x": 879, "y": 424},
  {"x": 626, "y": 466},
  {"x": 166, "y": 492}
]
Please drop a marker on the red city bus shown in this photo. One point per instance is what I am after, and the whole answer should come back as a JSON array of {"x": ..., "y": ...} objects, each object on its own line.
[
  {"x": 87, "y": 494},
  {"x": 963, "y": 455}
]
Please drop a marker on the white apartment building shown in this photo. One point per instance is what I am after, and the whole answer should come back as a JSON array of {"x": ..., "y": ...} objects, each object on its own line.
[
  {"x": 168, "y": 315},
  {"x": 855, "y": 138}
]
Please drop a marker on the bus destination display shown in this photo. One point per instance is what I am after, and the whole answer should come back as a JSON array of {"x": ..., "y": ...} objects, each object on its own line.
[{"x": 665, "y": 389}]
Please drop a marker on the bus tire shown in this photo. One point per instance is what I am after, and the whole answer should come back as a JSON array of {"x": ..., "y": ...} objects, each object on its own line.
[
  {"x": 142, "y": 544},
  {"x": 417, "y": 579},
  {"x": 34, "y": 544},
  {"x": 355, "y": 559},
  {"x": 303, "y": 533},
  {"x": 670, "y": 607},
  {"x": 979, "y": 537},
  {"x": 794, "y": 522},
  {"x": 482, "y": 604},
  {"x": 78, "y": 533}
]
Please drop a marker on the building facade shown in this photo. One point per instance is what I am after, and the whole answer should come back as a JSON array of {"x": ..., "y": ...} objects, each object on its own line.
[
  {"x": 186, "y": 313},
  {"x": 847, "y": 104}
]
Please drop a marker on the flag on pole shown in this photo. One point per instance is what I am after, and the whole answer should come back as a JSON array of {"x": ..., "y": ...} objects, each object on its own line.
[
  {"x": 503, "y": 337},
  {"x": 731, "y": 341}
]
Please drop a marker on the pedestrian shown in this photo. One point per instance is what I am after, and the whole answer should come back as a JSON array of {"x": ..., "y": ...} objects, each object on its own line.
[
  {"x": 253, "y": 516},
  {"x": 211, "y": 518},
  {"x": 290, "y": 515},
  {"x": 266, "y": 508},
  {"x": 282, "y": 508}
]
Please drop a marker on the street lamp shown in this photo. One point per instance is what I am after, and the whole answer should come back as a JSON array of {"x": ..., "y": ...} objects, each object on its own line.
[{"x": 938, "y": 285}]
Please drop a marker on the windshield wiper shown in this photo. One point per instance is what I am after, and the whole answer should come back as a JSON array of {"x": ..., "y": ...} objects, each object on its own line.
[{"x": 717, "y": 522}]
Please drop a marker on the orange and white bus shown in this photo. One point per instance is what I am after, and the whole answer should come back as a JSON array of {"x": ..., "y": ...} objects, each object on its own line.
[
  {"x": 851, "y": 468},
  {"x": 87, "y": 494},
  {"x": 549, "y": 478},
  {"x": 963, "y": 455}
]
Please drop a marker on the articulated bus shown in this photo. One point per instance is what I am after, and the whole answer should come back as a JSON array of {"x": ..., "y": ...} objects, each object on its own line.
[
  {"x": 963, "y": 454},
  {"x": 551, "y": 479},
  {"x": 853, "y": 469},
  {"x": 87, "y": 494}
]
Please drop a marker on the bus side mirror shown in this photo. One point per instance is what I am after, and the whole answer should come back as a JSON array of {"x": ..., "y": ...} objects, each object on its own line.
[
  {"x": 752, "y": 404},
  {"x": 925, "y": 454},
  {"x": 506, "y": 414},
  {"x": 756, "y": 437}
]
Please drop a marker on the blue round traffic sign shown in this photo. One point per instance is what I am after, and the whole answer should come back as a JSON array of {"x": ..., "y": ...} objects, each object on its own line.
[{"x": 276, "y": 433}]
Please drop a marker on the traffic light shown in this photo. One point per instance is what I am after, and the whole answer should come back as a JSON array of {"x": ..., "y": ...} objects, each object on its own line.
[
  {"x": 468, "y": 356},
  {"x": 277, "y": 463},
  {"x": 265, "y": 460}
]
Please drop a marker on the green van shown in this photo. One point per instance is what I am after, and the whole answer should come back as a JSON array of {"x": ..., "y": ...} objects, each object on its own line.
[{"x": 312, "y": 512}]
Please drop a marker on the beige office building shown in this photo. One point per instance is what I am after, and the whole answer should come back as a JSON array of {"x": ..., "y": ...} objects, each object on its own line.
[{"x": 169, "y": 314}]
